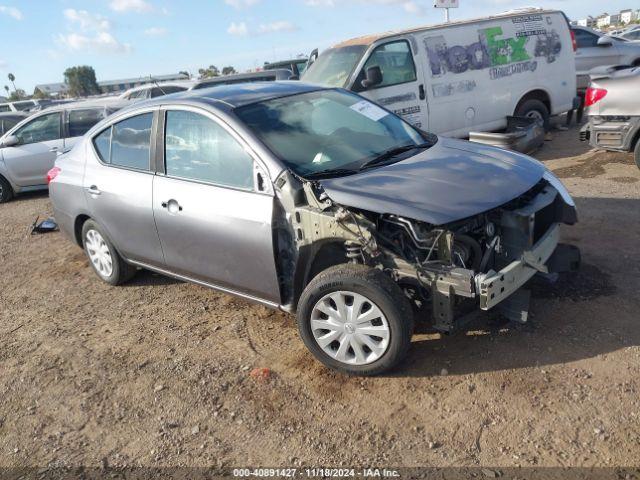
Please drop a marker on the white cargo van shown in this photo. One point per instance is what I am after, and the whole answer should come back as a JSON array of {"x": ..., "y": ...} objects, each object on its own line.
[{"x": 464, "y": 76}]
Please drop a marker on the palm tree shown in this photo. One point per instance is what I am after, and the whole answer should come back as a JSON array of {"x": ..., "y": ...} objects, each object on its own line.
[{"x": 12, "y": 79}]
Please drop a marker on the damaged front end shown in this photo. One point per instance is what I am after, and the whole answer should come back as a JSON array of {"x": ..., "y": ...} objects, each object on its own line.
[{"x": 480, "y": 261}]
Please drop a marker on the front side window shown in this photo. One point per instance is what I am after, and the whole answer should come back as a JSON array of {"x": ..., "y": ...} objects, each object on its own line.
[
  {"x": 130, "y": 144},
  {"x": 81, "y": 121},
  {"x": 45, "y": 128},
  {"x": 585, "y": 39},
  {"x": 5, "y": 108},
  {"x": 197, "y": 148},
  {"x": 334, "y": 66},
  {"x": 327, "y": 130},
  {"x": 395, "y": 62}
]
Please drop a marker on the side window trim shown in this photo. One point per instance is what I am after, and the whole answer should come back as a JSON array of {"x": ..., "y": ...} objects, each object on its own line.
[
  {"x": 257, "y": 163},
  {"x": 118, "y": 119},
  {"x": 365, "y": 58}
]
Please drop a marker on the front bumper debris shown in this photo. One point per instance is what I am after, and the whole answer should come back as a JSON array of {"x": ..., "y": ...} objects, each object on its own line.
[{"x": 494, "y": 287}]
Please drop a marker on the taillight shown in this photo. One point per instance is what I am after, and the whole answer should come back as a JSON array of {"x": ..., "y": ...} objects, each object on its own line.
[
  {"x": 573, "y": 41},
  {"x": 594, "y": 95},
  {"x": 52, "y": 174}
]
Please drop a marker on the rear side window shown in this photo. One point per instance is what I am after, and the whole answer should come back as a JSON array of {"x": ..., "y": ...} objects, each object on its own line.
[
  {"x": 197, "y": 148},
  {"x": 395, "y": 62},
  {"x": 5, "y": 108},
  {"x": 127, "y": 143},
  {"x": 81, "y": 121},
  {"x": 103, "y": 145}
]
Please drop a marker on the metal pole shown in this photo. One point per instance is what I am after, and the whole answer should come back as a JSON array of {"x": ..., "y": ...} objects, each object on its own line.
[{"x": 446, "y": 15}]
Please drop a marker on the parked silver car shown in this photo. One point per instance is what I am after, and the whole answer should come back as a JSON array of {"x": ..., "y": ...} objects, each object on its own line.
[
  {"x": 613, "y": 102},
  {"x": 315, "y": 201},
  {"x": 9, "y": 120},
  {"x": 595, "y": 49},
  {"x": 29, "y": 149}
]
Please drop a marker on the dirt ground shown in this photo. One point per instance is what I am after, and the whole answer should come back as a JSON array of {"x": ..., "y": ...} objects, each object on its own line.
[{"x": 157, "y": 373}]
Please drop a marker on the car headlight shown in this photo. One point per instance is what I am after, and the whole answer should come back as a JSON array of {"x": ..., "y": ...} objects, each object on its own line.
[{"x": 557, "y": 184}]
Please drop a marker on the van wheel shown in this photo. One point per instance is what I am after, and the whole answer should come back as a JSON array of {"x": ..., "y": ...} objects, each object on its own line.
[
  {"x": 636, "y": 153},
  {"x": 355, "y": 320},
  {"x": 6, "y": 192},
  {"x": 534, "y": 109},
  {"x": 104, "y": 259}
]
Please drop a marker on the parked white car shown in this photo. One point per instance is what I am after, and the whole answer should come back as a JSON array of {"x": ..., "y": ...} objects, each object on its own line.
[
  {"x": 29, "y": 149},
  {"x": 462, "y": 76}
]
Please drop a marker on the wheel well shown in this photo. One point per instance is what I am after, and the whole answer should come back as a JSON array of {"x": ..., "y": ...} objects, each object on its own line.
[
  {"x": 314, "y": 259},
  {"x": 77, "y": 228},
  {"x": 536, "y": 95}
]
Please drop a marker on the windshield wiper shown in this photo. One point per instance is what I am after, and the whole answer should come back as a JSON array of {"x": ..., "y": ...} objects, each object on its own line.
[
  {"x": 393, "y": 152},
  {"x": 330, "y": 172}
]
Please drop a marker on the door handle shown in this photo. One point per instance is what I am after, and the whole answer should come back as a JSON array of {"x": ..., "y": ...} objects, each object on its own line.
[
  {"x": 93, "y": 190},
  {"x": 421, "y": 92},
  {"x": 172, "y": 206}
]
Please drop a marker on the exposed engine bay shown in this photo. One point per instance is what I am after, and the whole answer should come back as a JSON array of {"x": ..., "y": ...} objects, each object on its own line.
[{"x": 481, "y": 261}]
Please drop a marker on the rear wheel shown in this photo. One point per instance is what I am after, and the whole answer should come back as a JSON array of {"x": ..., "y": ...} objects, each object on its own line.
[
  {"x": 355, "y": 320},
  {"x": 104, "y": 259},
  {"x": 534, "y": 109},
  {"x": 6, "y": 192}
]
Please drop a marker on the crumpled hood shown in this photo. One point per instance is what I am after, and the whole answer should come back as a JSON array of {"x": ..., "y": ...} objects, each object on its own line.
[{"x": 450, "y": 181}]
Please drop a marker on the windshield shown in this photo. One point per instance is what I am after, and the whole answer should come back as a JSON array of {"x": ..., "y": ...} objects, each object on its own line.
[
  {"x": 328, "y": 130},
  {"x": 334, "y": 66}
]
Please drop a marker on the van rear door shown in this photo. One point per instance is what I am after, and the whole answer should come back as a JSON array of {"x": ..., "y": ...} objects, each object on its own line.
[{"x": 401, "y": 88}]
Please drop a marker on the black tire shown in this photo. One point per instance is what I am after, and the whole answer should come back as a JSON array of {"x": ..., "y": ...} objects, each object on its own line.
[
  {"x": 121, "y": 271},
  {"x": 6, "y": 192},
  {"x": 636, "y": 152},
  {"x": 382, "y": 292},
  {"x": 533, "y": 107}
]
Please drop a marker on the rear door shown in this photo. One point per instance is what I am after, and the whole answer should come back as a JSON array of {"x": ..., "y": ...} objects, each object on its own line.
[
  {"x": 118, "y": 184},
  {"x": 39, "y": 141},
  {"x": 402, "y": 89},
  {"x": 214, "y": 223}
]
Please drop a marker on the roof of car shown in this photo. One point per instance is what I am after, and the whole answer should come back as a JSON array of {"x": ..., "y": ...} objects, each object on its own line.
[
  {"x": 237, "y": 95},
  {"x": 371, "y": 39},
  {"x": 113, "y": 102}
]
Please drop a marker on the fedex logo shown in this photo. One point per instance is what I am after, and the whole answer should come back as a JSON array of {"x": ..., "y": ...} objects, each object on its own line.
[{"x": 489, "y": 51}]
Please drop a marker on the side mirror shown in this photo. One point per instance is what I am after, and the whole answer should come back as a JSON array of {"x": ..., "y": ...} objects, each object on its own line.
[
  {"x": 373, "y": 77},
  {"x": 10, "y": 141},
  {"x": 605, "y": 41}
]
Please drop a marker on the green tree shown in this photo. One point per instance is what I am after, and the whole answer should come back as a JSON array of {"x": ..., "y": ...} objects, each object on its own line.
[
  {"x": 6, "y": 87},
  {"x": 12, "y": 79},
  {"x": 228, "y": 71},
  {"x": 210, "y": 72},
  {"x": 81, "y": 80},
  {"x": 16, "y": 95}
]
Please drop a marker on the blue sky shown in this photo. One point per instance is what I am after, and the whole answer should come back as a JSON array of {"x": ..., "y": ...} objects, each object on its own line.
[{"x": 129, "y": 38}]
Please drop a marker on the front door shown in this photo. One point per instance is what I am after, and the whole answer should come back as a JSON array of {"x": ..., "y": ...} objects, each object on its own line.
[
  {"x": 213, "y": 224},
  {"x": 39, "y": 142},
  {"x": 402, "y": 89}
]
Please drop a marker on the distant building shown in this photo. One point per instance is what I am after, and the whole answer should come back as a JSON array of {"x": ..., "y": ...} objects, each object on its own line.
[
  {"x": 614, "y": 19},
  {"x": 52, "y": 89},
  {"x": 108, "y": 86},
  {"x": 603, "y": 20},
  {"x": 587, "y": 22},
  {"x": 118, "y": 86},
  {"x": 626, "y": 16}
]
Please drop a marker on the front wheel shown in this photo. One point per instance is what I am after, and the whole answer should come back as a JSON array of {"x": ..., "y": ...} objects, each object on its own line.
[
  {"x": 636, "y": 153},
  {"x": 6, "y": 192},
  {"x": 355, "y": 320}
]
